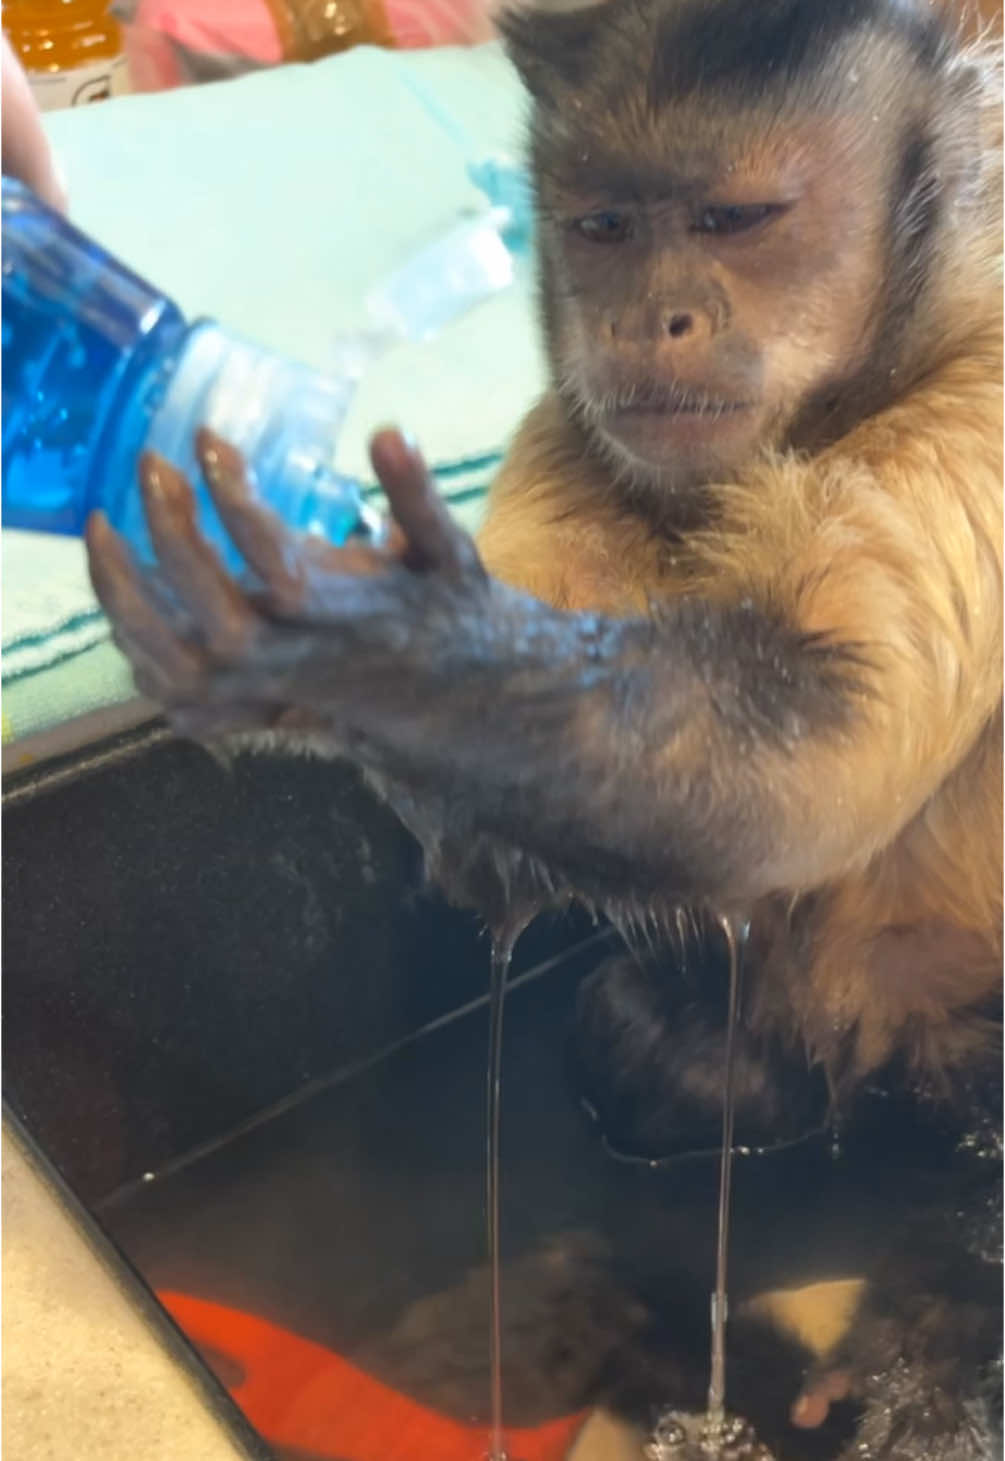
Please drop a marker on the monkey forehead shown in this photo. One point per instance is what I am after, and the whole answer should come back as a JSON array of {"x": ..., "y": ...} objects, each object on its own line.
[
  {"x": 673, "y": 99},
  {"x": 665, "y": 50},
  {"x": 692, "y": 152}
]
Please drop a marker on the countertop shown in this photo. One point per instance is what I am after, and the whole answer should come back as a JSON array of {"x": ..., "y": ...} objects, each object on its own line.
[{"x": 85, "y": 1375}]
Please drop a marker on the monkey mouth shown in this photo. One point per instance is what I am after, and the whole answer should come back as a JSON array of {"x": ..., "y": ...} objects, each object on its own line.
[
  {"x": 658, "y": 425},
  {"x": 675, "y": 400}
]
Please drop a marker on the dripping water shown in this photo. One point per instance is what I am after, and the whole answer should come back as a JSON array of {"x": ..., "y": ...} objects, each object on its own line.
[
  {"x": 679, "y": 1435},
  {"x": 736, "y": 937},
  {"x": 502, "y": 950},
  {"x": 715, "y": 1433}
]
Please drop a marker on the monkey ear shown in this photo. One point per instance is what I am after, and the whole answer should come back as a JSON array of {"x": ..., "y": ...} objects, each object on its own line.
[{"x": 547, "y": 46}]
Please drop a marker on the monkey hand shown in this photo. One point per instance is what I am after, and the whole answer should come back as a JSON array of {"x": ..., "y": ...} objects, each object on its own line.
[
  {"x": 327, "y": 637},
  {"x": 388, "y": 654},
  {"x": 613, "y": 753}
]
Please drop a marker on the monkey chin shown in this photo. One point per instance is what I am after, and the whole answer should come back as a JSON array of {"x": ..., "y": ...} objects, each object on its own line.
[{"x": 682, "y": 447}]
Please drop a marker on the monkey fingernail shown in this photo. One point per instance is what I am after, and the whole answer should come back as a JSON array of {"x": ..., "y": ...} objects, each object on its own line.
[
  {"x": 162, "y": 483},
  {"x": 809, "y": 1411},
  {"x": 222, "y": 465},
  {"x": 393, "y": 444}
]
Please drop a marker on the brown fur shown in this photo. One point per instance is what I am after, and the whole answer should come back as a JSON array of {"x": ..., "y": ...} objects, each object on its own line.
[{"x": 889, "y": 540}]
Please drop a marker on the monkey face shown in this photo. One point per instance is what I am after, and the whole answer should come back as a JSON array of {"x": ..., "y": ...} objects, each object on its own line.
[
  {"x": 723, "y": 190},
  {"x": 699, "y": 292}
]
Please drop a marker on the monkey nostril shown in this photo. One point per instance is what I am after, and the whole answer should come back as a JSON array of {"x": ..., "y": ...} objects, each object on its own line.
[{"x": 679, "y": 325}]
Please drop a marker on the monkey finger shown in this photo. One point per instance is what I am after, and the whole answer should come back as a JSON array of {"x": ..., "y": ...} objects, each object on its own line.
[
  {"x": 435, "y": 541},
  {"x": 813, "y": 1405},
  {"x": 138, "y": 623},
  {"x": 222, "y": 613},
  {"x": 258, "y": 534},
  {"x": 283, "y": 563},
  {"x": 810, "y": 1411}
]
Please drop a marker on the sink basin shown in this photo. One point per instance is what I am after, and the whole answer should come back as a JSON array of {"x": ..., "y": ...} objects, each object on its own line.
[
  {"x": 186, "y": 945},
  {"x": 194, "y": 956},
  {"x": 252, "y": 1042}
]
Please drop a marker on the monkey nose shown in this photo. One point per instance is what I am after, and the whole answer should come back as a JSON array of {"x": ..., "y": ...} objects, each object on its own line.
[{"x": 686, "y": 330}]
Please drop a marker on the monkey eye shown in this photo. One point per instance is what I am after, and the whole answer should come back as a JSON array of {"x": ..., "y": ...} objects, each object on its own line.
[
  {"x": 608, "y": 226},
  {"x": 735, "y": 217}
]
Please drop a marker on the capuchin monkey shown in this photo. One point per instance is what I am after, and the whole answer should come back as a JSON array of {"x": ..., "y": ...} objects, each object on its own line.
[{"x": 732, "y": 636}]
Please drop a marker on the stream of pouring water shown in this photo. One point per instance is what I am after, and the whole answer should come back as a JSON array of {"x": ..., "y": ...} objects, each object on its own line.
[
  {"x": 715, "y": 1435},
  {"x": 717, "y": 1430},
  {"x": 736, "y": 937},
  {"x": 501, "y": 953}
]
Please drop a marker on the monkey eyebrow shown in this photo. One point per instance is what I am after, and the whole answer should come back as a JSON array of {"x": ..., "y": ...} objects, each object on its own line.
[
  {"x": 581, "y": 186},
  {"x": 588, "y": 171},
  {"x": 585, "y": 177},
  {"x": 581, "y": 190}
]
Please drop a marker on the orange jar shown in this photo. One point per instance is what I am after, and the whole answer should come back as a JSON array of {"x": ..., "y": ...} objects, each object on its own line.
[{"x": 71, "y": 50}]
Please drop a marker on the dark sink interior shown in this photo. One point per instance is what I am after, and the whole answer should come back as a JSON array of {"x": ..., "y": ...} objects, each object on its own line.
[
  {"x": 253, "y": 1042},
  {"x": 187, "y": 944}
]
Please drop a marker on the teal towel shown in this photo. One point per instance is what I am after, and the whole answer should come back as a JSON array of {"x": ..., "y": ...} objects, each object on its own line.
[{"x": 275, "y": 203}]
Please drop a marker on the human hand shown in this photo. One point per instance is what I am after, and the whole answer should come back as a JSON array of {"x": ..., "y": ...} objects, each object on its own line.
[{"x": 26, "y": 151}]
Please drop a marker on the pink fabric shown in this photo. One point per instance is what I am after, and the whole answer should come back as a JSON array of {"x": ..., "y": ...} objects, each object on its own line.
[
  {"x": 227, "y": 27},
  {"x": 418, "y": 23}
]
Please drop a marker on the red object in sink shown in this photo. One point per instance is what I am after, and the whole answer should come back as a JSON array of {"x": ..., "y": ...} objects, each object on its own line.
[{"x": 298, "y": 1394}]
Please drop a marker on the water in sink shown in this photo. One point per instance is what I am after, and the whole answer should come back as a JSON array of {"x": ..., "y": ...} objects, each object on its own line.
[{"x": 351, "y": 1222}]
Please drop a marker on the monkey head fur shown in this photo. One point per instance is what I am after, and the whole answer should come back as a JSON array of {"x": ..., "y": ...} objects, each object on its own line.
[{"x": 738, "y": 210}]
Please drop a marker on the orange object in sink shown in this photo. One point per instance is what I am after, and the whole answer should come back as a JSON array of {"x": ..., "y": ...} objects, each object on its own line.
[{"x": 298, "y": 1394}]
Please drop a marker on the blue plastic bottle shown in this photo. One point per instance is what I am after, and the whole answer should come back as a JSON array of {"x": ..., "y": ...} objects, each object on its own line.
[{"x": 98, "y": 366}]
